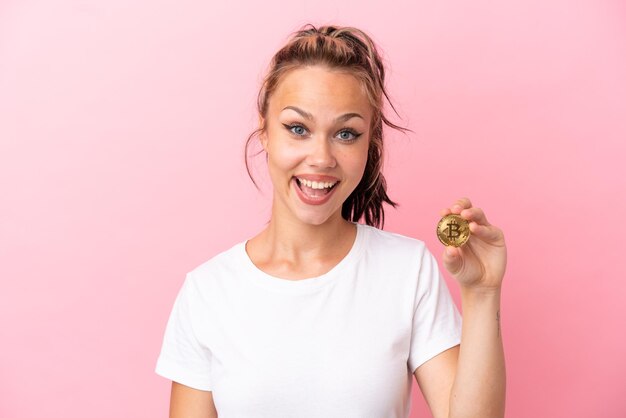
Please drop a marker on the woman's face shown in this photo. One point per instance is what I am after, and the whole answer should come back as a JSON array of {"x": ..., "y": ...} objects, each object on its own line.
[{"x": 317, "y": 129}]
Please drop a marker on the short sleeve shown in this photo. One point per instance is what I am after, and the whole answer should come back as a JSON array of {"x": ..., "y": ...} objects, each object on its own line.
[
  {"x": 436, "y": 319},
  {"x": 183, "y": 358}
]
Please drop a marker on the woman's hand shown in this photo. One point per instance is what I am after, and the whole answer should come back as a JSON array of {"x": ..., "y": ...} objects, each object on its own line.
[{"x": 480, "y": 263}]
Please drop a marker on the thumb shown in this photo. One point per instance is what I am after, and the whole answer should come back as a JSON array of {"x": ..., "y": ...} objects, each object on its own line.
[{"x": 452, "y": 259}]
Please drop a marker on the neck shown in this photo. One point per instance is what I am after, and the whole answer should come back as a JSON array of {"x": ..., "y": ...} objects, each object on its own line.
[{"x": 293, "y": 240}]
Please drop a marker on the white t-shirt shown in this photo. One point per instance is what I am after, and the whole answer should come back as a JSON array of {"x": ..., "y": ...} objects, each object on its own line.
[{"x": 343, "y": 344}]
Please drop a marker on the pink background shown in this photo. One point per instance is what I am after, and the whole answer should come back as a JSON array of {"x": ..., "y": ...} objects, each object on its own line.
[{"x": 122, "y": 126}]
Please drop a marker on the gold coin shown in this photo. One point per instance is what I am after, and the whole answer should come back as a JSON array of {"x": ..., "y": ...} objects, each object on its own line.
[{"x": 453, "y": 230}]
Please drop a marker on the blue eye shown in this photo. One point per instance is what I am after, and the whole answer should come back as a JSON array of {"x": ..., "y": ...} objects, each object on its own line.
[
  {"x": 346, "y": 135},
  {"x": 298, "y": 130},
  {"x": 354, "y": 134}
]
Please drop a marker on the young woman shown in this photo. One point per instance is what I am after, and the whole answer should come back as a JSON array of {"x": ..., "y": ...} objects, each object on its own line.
[{"x": 319, "y": 315}]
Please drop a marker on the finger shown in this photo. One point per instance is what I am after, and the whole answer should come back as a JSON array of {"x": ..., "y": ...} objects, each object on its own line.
[
  {"x": 456, "y": 209},
  {"x": 459, "y": 205},
  {"x": 444, "y": 211},
  {"x": 475, "y": 214},
  {"x": 452, "y": 259},
  {"x": 488, "y": 233},
  {"x": 464, "y": 202}
]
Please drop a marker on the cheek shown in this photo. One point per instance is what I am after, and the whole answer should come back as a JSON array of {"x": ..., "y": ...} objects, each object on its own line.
[
  {"x": 357, "y": 162},
  {"x": 284, "y": 156}
]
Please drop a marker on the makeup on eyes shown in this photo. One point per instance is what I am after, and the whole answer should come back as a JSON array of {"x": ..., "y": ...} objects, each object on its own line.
[{"x": 291, "y": 126}]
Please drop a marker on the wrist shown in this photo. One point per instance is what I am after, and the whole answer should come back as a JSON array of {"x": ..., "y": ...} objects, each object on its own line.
[
  {"x": 480, "y": 299},
  {"x": 481, "y": 291}
]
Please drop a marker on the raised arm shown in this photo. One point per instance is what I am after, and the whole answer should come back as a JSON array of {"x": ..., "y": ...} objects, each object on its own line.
[{"x": 469, "y": 381}]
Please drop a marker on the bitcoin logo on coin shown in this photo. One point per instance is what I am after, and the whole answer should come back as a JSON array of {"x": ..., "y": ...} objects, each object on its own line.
[{"x": 453, "y": 230}]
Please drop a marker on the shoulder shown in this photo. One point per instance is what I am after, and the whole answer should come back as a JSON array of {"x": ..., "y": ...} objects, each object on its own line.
[
  {"x": 395, "y": 253},
  {"x": 222, "y": 264},
  {"x": 398, "y": 259},
  {"x": 389, "y": 242}
]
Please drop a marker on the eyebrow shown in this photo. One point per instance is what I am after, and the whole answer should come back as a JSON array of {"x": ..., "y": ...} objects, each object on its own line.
[{"x": 309, "y": 116}]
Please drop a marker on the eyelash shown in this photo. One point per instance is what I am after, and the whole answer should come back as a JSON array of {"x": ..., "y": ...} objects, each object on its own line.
[{"x": 354, "y": 133}]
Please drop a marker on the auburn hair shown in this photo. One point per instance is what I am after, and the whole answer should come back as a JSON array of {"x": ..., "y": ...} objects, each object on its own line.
[{"x": 350, "y": 50}]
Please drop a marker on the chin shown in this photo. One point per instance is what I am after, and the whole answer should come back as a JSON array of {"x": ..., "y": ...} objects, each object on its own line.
[
  {"x": 317, "y": 219},
  {"x": 313, "y": 220}
]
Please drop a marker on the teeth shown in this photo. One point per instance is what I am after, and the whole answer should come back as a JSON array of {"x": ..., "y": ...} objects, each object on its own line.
[{"x": 316, "y": 185}]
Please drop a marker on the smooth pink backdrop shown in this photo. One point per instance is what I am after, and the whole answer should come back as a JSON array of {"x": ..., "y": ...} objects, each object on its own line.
[{"x": 122, "y": 126}]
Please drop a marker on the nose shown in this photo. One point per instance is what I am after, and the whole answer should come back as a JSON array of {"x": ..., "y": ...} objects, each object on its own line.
[{"x": 321, "y": 153}]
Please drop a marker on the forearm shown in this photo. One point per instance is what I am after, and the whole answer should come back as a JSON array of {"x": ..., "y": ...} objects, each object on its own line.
[{"x": 479, "y": 387}]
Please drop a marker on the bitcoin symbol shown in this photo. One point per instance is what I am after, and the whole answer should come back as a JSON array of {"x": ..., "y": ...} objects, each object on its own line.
[{"x": 453, "y": 230}]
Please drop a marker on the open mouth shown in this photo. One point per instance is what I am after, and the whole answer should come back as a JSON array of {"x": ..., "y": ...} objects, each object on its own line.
[{"x": 315, "y": 190}]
